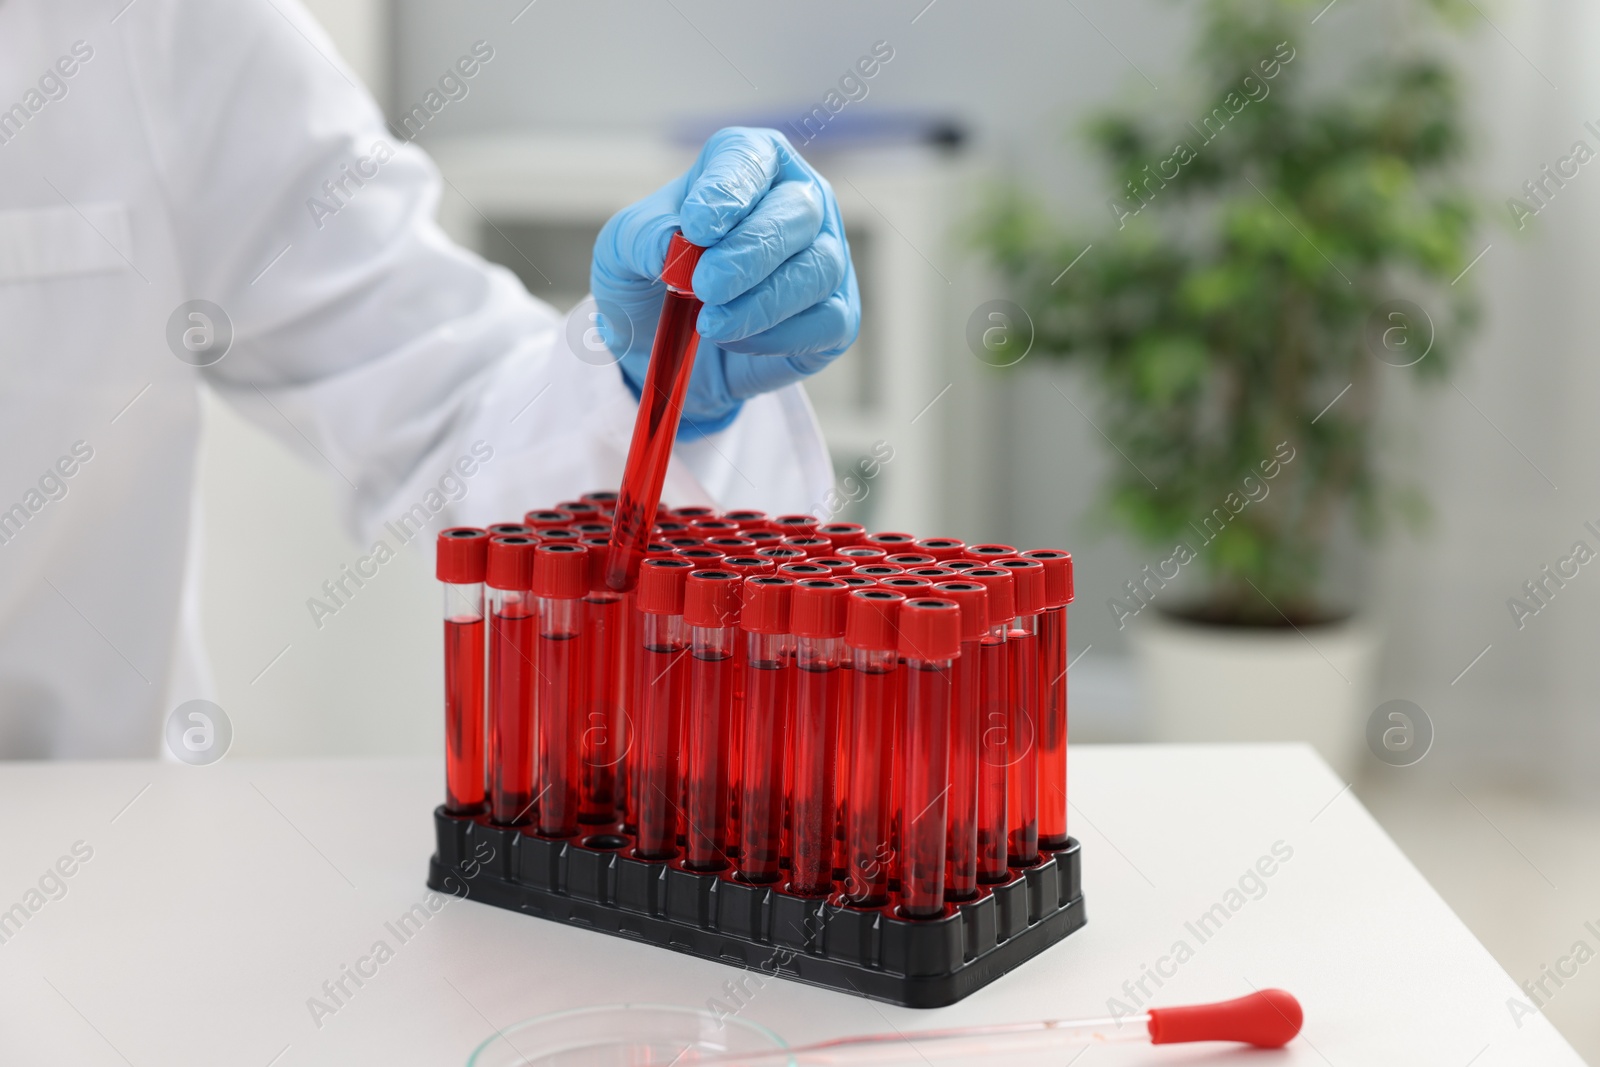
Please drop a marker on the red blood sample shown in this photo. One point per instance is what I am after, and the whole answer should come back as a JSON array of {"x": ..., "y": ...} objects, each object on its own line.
[
  {"x": 961, "y": 874},
  {"x": 1052, "y": 743},
  {"x": 817, "y": 616},
  {"x": 560, "y": 578},
  {"x": 930, "y": 640},
  {"x": 662, "y": 682},
  {"x": 995, "y": 721},
  {"x": 764, "y": 622},
  {"x": 666, "y": 383},
  {"x": 461, "y": 559},
  {"x": 604, "y": 739},
  {"x": 711, "y": 611},
  {"x": 513, "y": 622},
  {"x": 1022, "y": 646},
  {"x": 873, "y": 641}
]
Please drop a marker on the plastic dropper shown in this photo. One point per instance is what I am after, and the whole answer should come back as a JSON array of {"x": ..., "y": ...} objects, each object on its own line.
[
  {"x": 666, "y": 382},
  {"x": 1267, "y": 1018}
]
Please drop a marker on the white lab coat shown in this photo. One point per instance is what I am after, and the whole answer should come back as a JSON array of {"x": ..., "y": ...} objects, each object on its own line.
[{"x": 175, "y": 163}]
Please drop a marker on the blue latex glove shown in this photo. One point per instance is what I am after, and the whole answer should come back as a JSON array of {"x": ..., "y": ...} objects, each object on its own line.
[{"x": 779, "y": 289}]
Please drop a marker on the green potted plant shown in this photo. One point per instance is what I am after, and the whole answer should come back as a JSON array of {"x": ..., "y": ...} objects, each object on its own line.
[{"x": 1272, "y": 249}]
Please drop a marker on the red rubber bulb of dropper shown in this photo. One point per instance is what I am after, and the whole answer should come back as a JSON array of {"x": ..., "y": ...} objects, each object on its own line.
[{"x": 1267, "y": 1018}]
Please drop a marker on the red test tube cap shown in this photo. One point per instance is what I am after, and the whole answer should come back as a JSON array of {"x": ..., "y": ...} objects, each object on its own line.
[
  {"x": 930, "y": 629},
  {"x": 817, "y": 608},
  {"x": 795, "y": 524},
  {"x": 843, "y": 534},
  {"x": 539, "y": 520},
  {"x": 862, "y": 553},
  {"x": 879, "y": 570},
  {"x": 942, "y": 548},
  {"x": 510, "y": 562},
  {"x": 973, "y": 600},
  {"x": 905, "y": 583},
  {"x": 511, "y": 529},
  {"x": 990, "y": 552},
  {"x": 661, "y": 583},
  {"x": 870, "y": 619},
  {"x": 911, "y": 559},
  {"x": 711, "y": 598},
  {"x": 1028, "y": 574},
  {"x": 462, "y": 555},
  {"x": 747, "y": 518},
  {"x": 1002, "y": 592},
  {"x": 1057, "y": 574},
  {"x": 600, "y": 496},
  {"x": 561, "y": 571},
  {"x": 748, "y": 566},
  {"x": 765, "y": 605},
  {"x": 803, "y": 569},
  {"x": 891, "y": 540},
  {"x": 678, "y": 271},
  {"x": 934, "y": 573}
]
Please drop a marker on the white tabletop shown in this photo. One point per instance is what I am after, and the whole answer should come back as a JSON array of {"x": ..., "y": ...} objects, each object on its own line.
[{"x": 218, "y": 900}]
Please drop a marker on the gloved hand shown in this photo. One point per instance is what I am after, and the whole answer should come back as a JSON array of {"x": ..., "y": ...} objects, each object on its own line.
[{"x": 779, "y": 289}]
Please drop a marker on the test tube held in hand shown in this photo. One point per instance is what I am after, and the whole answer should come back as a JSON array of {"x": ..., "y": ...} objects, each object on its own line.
[
  {"x": 462, "y": 556},
  {"x": 666, "y": 383},
  {"x": 661, "y": 687},
  {"x": 560, "y": 579},
  {"x": 1022, "y": 770},
  {"x": 817, "y": 618},
  {"x": 873, "y": 642},
  {"x": 1053, "y": 696},
  {"x": 769, "y": 663},
  {"x": 513, "y": 622},
  {"x": 930, "y": 641},
  {"x": 711, "y": 611}
]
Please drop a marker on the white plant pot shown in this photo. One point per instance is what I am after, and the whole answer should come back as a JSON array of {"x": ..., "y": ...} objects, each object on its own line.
[{"x": 1219, "y": 683}]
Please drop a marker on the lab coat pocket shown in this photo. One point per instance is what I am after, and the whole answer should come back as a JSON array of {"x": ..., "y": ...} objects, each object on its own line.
[{"x": 64, "y": 241}]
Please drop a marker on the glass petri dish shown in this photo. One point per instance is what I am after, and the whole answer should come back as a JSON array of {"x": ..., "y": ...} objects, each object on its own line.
[{"x": 621, "y": 1035}]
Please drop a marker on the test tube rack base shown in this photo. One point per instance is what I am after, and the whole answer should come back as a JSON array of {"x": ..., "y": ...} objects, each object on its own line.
[{"x": 592, "y": 881}]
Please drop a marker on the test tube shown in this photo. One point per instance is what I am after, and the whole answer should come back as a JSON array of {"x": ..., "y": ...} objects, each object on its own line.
[
  {"x": 461, "y": 556},
  {"x": 930, "y": 641},
  {"x": 764, "y": 622},
  {"x": 1022, "y": 647},
  {"x": 1052, "y": 743},
  {"x": 995, "y": 721},
  {"x": 606, "y": 647},
  {"x": 817, "y": 617},
  {"x": 942, "y": 548},
  {"x": 711, "y": 611},
  {"x": 661, "y": 694},
  {"x": 843, "y": 534},
  {"x": 513, "y": 621},
  {"x": 873, "y": 642},
  {"x": 666, "y": 383},
  {"x": 560, "y": 579},
  {"x": 961, "y": 874}
]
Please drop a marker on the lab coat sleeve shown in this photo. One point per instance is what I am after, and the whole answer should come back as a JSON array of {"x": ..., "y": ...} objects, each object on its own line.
[{"x": 417, "y": 375}]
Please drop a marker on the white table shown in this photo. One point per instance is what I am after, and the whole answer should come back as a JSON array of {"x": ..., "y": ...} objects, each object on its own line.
[{"x": 221, "y": 898}]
